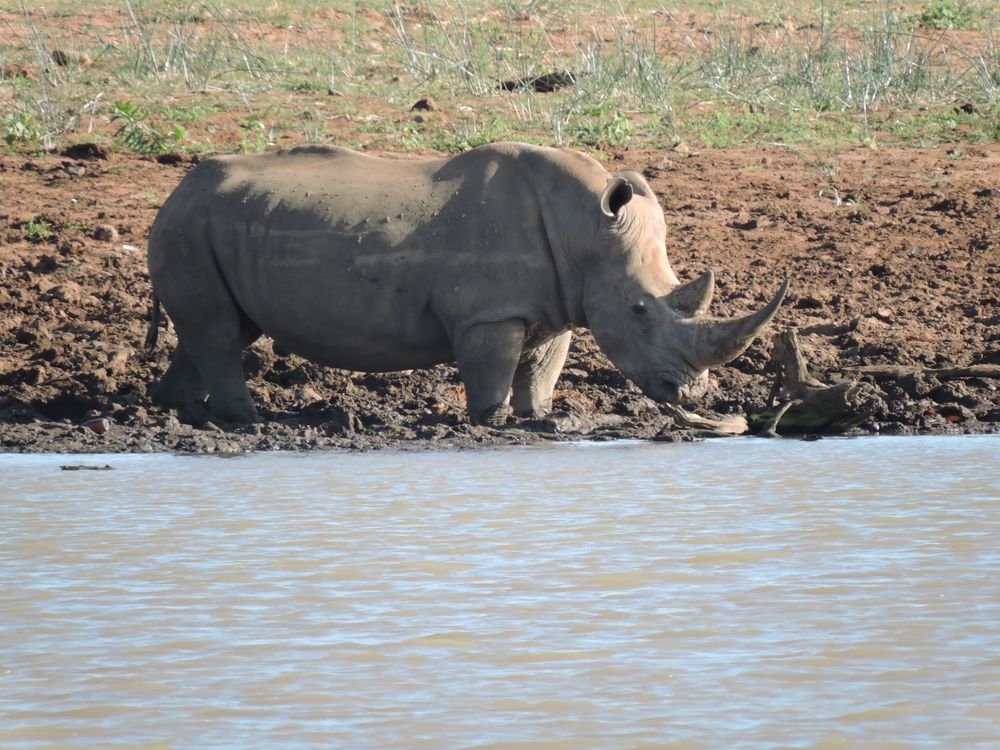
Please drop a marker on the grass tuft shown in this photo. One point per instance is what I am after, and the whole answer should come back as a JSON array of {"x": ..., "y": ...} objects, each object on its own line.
[{"x": 638, "y": 75}]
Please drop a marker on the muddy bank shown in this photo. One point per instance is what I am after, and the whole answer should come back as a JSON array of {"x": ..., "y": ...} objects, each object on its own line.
[{"x": 893, "y": 261}]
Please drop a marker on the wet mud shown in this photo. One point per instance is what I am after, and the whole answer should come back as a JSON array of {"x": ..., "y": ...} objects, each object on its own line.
[{"x": 893, "y": 261}]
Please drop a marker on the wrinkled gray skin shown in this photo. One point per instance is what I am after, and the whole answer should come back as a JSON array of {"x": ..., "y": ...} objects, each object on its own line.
[{"x": 488, "y": 258}]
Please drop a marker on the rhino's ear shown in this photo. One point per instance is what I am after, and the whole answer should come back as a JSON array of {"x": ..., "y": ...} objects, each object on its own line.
[
  {"x": 638, "y": 182},
  {"x": 616, "y": 195}
]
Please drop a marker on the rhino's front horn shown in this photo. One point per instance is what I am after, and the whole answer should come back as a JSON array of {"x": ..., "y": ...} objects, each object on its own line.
[
  {"x": 694, "y": 297},
  {"x": 720, "y": 341}
]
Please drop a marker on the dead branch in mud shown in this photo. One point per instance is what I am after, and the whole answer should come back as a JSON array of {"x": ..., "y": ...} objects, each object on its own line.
[
  {"x": 898, "y": 372},
  {"x": 803, "y": 403}
]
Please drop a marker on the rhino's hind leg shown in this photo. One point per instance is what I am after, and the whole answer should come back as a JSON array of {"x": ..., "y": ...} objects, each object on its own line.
[
  {"x": 487, "y": 356},
  {"x": 219, "y": 360},
  {"x": 536, "y": 376},
  {"x": 181, "y": 386},
  {"x": 212, "y": 331}
]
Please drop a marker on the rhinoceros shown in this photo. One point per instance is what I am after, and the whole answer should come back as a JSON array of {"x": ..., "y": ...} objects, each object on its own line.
[{"x": 489, "y": 259}]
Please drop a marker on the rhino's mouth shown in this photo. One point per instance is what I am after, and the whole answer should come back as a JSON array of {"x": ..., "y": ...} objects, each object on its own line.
[
  {"x": 659, "y": 387},
  {"x": 665, "y": 388}
]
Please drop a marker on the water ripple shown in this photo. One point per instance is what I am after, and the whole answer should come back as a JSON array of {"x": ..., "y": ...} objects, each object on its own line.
[{"x": 739, "y": 594}]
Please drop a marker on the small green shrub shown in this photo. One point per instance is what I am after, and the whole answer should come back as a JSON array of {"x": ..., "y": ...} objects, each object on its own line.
[
  {"x": 188, "y": 113},
  {"x": 254, "y": 140},
  {"x": 19, "y": 128},
  {"x": 36, "y": 230},
  {"x": 466, "y": 135},
  {"x": 138, "y": 135},
  {"x": 944, "y": 14},
  {"x": 611, "y": 130}
]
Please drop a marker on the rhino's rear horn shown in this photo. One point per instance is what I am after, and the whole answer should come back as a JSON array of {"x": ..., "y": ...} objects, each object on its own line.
[
  {"x": 694, "y": 297},
  {"x": 721, "y": 341},
  {"x": 616, "y": 195}
]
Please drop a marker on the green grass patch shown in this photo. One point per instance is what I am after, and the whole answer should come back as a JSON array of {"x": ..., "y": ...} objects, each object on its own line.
[
  {"x": 740, "y": 73},
  {"x": 139, "y": 135},
  {"x": 945, "y": 14},
  {"x": 599, "y": 128},
  {"x": 36, "y": 230},
  {"x": 19, "y": 129}
]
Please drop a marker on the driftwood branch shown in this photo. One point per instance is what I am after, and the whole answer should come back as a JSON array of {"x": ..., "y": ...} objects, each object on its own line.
[
  {"x": 803, "y": 403},
  {"x": 795, "y": 380},
  {"x": 898, "y": 372}
]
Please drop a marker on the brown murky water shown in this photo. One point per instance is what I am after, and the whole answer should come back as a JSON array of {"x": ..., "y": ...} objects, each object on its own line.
[{"x": 734, "y": 594}]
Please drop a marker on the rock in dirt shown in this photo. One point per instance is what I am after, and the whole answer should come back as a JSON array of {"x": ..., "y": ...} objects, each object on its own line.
[
  {"x": 85, "y": 152},
  {"x": 118, "y": 361},
  {"x": 953, "y": 413},
  {"x": 744, "y": 226},
  {"x": 98, "y": 426},
  {"x": 10, "y": 72},
  {"x": 684, "y": 149},
  {"x": 425, "y": 104},
  {"x": 67, "y": 293},
  {"x": 25, "y": 335},
  {"x": 105, "y": 233},
  {"x": 63, "y": 58},
  {"x": 543, "y": 84},
  {"x": 884, "y": 314},
  {"x": 170, "y": 159},
  {"x": 45, "y": 264}
]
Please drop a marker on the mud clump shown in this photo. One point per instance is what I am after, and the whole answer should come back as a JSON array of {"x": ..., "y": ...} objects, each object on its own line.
[{"x": 899, "y": 275}]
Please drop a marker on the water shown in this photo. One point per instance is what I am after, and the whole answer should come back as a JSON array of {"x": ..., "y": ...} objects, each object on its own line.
[{"x": 732, "y": 594}]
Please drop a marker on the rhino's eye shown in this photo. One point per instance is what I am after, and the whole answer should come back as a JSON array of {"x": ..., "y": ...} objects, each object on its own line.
[{"x": 639, "y": 308}]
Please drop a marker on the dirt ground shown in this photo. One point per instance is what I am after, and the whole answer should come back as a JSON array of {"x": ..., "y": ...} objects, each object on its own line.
[{"x": 892, "y": 256}]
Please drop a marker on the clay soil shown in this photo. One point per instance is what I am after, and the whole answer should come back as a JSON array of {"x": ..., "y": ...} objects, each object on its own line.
[{"x": 892, "y": 257}]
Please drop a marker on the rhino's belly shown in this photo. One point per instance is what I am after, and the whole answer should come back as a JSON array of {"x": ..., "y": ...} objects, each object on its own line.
[
  {"x": 341, "y": 313},
  {"x": 379, "y": 351}
]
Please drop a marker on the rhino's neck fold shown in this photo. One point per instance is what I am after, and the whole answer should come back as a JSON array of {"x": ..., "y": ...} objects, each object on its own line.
[
  {"x": 564, "y": 240},
  {"x": 568, "y": 275}
]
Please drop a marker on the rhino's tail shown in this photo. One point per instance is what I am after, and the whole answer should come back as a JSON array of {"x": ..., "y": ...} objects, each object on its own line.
[{"x": 154, "y": 323}]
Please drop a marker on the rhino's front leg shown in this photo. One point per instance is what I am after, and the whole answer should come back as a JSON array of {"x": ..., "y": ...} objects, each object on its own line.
[
  {"x": 536, "y": 376},
  {"x": 487, "y": 356}
]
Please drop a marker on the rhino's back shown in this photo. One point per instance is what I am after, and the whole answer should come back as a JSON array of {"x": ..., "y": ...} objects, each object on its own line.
[{"x": 322, "y": 184}]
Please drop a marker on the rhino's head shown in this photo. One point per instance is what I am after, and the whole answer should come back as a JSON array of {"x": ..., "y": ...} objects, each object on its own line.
[{"x": 653, "y": 328}]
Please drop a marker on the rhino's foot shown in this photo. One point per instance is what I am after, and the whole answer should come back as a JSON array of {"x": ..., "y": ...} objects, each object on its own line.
[
  {"x": 495, "y": 416},
  {"x": 236, "y": 413},
  {"x": 535, "y": 410},
  {"x": 195, "y": 414},
  {"x": 179, "y": 399},
  {"x": 193, "y": 408},
  {"x": 180, "y": 387}
]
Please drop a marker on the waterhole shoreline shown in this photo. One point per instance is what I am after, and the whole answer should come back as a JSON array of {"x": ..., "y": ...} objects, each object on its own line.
[{"x": 167, "y": 434}]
